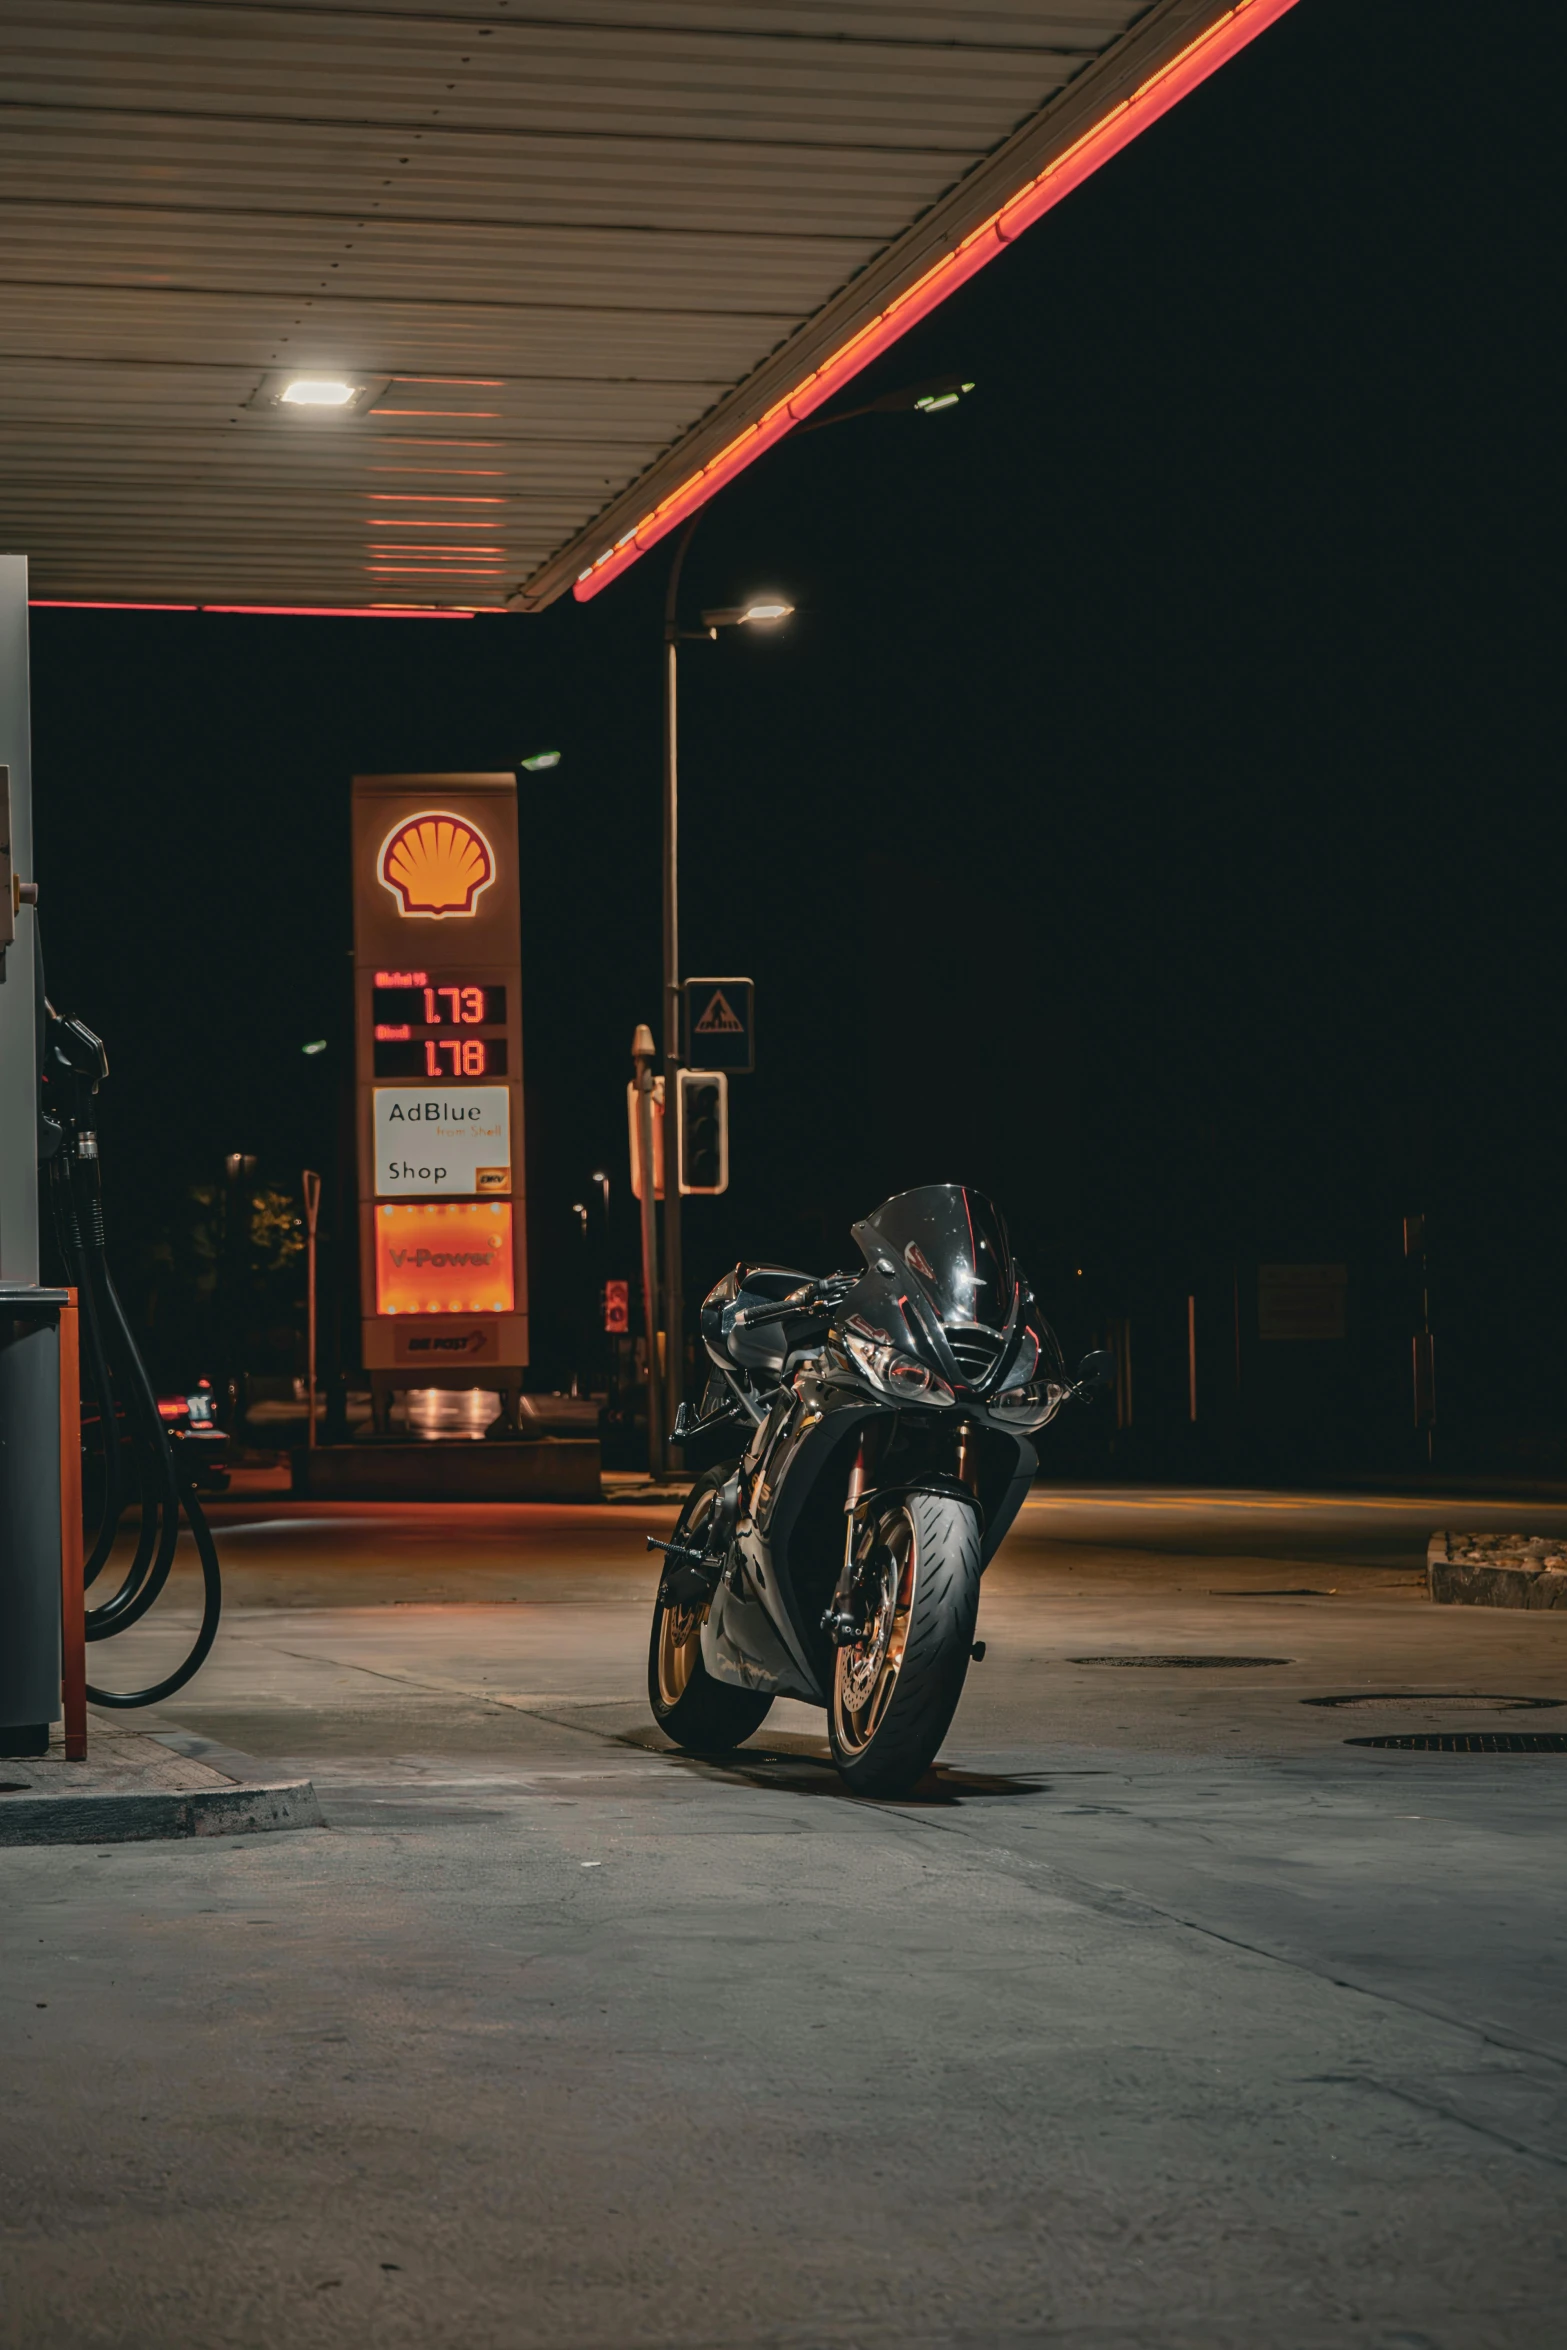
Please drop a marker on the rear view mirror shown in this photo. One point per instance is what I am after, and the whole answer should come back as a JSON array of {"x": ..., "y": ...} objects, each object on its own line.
[{"x": 1096, "y": 1369}]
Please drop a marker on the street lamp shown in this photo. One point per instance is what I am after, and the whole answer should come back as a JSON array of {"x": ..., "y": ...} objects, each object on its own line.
[
  {"x": 933, "y": 397},
  {"x": 761, "y": 612}
]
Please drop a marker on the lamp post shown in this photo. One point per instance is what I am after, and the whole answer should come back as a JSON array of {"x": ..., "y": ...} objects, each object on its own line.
[
  {"x": 602, "y": 1353},
  {"x": 930, "y": 397},
  {"x": 765, "y": 612},
  {"x": 310, "y": 1183}
]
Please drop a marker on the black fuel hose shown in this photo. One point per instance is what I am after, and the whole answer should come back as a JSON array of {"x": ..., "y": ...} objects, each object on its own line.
[
  {"x": 118, "y": 1382},
  {"x": 140, "y": 1588},
  {"x": 211, "y": 1610}
]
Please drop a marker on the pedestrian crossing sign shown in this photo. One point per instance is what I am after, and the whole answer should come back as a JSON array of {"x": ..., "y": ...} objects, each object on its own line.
[
  {"x": 720, "y": 1018},
  {"x": 718, "y": 1025}
]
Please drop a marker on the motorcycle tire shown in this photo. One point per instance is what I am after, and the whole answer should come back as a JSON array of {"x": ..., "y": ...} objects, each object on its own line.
[
  {"x": 700, "y": 1714},
  {"x": 895, "y": 1692}
]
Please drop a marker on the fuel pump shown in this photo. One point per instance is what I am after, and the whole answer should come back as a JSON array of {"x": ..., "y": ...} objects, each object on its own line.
[{"x": 136, "y": 1462}]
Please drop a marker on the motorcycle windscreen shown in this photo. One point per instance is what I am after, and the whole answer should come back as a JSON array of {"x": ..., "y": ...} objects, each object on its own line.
[{"x": 953, "y": 1242}]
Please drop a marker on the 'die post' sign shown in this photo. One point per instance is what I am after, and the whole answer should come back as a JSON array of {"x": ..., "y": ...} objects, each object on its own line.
[{"x": 438, "y": 1059}]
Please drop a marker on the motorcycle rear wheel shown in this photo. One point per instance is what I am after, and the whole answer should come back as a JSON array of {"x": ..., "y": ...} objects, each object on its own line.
[
  {"x": 703, "y": 1715},
  {"x": 895, "y": 1692}
]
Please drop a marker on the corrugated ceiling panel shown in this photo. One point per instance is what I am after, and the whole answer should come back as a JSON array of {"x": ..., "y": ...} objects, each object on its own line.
[
  {"x": 319, "y": 172},
  {"x": 617, "y": 208}
]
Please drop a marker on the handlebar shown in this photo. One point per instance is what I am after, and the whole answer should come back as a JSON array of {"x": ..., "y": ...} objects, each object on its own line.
[{"x": 811, "y": 1298}]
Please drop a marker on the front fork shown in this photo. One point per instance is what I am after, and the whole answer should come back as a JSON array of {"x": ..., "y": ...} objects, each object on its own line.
[{"x": 844, "y": 1621}]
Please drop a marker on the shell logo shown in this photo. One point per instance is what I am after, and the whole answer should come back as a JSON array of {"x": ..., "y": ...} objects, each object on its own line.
[{"x": 436, "y": 864}]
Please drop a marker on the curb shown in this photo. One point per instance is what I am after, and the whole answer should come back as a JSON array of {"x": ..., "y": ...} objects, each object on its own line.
[
  {"x": 1504, "y": 1578},
  {"x": 253, "y": 1805},
  {"x": 140, "y": 1819}
]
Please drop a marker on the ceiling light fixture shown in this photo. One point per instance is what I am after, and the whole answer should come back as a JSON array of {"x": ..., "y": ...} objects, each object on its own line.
[
  {"x": 1115, "y": 129},
  {"x": 312, "y": 391},
  {"x": 324, "y": 393}
]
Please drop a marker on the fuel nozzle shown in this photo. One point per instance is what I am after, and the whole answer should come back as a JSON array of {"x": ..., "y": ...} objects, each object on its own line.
[{"x": 75, "y": 1065}]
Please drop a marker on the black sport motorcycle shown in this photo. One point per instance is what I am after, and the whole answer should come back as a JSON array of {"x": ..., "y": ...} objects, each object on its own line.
[{"x": 889, "y": 1419}]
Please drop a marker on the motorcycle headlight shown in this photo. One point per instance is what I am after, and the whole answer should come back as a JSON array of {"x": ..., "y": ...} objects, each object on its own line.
[
  {"x": 1029, "y": 1406},
  {"x": 895, "y": 1373}
]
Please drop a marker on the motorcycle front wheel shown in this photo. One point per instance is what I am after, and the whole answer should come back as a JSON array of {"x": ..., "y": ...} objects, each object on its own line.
[
  {"x": 896, "y": 1689},
  {"x": 701, "y": 1714}
]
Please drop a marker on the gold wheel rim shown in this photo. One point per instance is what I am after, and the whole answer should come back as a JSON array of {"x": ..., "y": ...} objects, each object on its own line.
[
  {"x": 865, "y": 1674},
  {"x": 680, "y": 1629}
]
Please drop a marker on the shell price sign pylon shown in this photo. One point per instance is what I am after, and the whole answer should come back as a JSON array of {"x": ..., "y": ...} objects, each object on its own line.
[{"x": 438, "y": 1062}]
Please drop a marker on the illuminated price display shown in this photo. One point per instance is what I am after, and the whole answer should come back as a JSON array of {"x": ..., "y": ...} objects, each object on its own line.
[
  {"x": 412, "y": 999},
  {"x": 399, "y": 1053},
  {"x": 425, "y": 1026}
]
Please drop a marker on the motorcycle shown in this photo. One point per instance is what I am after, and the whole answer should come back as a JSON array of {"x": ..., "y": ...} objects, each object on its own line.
[{"x": 889, "y": 1419}]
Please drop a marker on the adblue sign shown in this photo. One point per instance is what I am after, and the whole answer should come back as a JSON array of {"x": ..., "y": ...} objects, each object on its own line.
[{"x": 451, "y": 1145}]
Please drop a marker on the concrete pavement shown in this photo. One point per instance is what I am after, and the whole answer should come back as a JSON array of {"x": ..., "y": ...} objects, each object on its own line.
[{"x": 1165, "y": 2017}]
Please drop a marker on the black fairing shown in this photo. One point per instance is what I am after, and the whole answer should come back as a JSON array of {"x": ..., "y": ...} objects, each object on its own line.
[
  {"x": 941, "y": 1283},
  {"x": 952, "y": 1242}
]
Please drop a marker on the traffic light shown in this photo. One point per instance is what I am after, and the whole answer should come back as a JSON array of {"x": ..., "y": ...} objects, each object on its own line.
[{"x": 704, "y": 1130}]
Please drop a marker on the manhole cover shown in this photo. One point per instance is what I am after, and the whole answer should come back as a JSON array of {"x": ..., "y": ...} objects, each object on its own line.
[
  {"x": 1471, "y": 1741},
  {"x": 1467, "y": 1701},
  {"x": 1212, "y": 1664}
]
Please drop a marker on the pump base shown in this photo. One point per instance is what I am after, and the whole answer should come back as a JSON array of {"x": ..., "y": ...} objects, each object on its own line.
[
  {"x": 549, "y": 1468},
  {"x": 24, "y": 1738}
]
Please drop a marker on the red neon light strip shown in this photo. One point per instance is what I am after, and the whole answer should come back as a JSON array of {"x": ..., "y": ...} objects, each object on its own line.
[
  {"x": 1115, "y": 130},
  {"x": 417, "y": 571},
  {"x": 349, "y": 611},
  {"x": 439, "y": 522}
]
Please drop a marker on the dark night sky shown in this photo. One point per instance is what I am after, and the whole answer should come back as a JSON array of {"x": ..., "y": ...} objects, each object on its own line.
[{"x": 1153, "y": 815}]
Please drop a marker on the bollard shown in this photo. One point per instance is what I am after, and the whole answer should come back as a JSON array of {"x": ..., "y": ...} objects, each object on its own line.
[{"x": 73, "y": 1595}]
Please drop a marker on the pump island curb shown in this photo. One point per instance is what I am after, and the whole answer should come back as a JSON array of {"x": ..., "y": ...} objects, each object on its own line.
[{"x": 143, "y": 1787}]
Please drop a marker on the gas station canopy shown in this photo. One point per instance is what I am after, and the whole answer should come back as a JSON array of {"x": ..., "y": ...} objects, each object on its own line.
[{"x": 459, "y": 304}]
